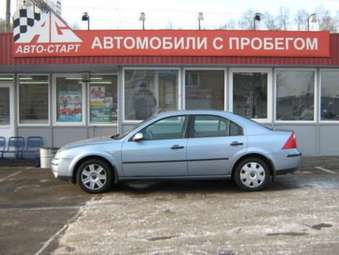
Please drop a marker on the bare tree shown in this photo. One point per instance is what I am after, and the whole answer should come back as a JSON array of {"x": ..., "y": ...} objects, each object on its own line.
[
  {"x": 326, "y": 21},
  {"x": 230, "y": 24},
  {"x": 283, "y": 18},
  {"x": 269, "y": 21},
  {"x": 284, "y": 21},
  {"x": 301, "y": 20},
  {"x": 247, "y": 20}
]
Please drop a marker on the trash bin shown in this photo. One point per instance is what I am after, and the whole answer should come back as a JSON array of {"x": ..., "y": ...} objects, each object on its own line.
[{"x": 46, "y": 156}]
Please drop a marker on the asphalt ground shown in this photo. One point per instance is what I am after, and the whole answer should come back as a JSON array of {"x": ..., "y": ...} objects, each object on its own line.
[
  {"x": 33, "y": 207},
  {"x": 297, "y": 214}
]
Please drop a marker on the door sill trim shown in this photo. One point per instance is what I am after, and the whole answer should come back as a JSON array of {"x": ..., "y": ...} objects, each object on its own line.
[{"x": 166, "y": 178}]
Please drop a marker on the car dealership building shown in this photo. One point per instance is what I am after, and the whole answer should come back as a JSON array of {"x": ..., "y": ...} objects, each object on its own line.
[{"x": 103, "y": 82}]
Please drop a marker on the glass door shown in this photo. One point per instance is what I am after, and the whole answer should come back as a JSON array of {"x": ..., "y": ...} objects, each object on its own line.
[{"x": 6, "y": 108}]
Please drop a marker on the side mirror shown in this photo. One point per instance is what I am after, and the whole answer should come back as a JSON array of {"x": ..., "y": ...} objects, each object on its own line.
[{"x": 138, "y": 137}]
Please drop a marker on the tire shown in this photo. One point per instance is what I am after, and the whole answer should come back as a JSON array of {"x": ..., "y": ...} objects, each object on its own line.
[
  {"x": 95, "y": 176},
  {"x": 252, "y": 174}
]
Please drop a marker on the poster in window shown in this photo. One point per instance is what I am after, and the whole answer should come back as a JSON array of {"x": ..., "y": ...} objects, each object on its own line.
[
  {"x": 69, "y": 106},
  {"x": 101, "y": 105}
]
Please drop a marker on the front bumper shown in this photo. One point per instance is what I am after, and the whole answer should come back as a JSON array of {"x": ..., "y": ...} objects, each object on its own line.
[
  {"x": 286, "y": 171},
  {"x": 60, "y": 168}
]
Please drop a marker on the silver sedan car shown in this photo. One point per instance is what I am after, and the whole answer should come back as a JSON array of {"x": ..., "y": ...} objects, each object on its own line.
[{"x": 191, "y": 145}]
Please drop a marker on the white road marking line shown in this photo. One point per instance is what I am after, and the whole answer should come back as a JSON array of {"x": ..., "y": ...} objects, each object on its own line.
[
  {"x": 325, "y": 170},
  {"x": 53, "y": 208},
  {"x": 53, "y": 237},
  {"x": 9, "y": 176}
]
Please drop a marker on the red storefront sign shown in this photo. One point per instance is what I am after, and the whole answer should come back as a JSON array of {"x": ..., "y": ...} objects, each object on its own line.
[{"x": 53, "y": 38}]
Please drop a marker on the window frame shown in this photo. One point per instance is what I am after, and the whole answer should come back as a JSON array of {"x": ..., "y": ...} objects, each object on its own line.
[
  {"x": 315, "y": 99},
  {"x": 320, "y": 96},
  {"x": 48, "y": 123},
  {"x": 270, "y": 82},
  {"x": 191, "y": 124},
  {"x": 83, "y": 102},
  {"x": 204, "y": 69},
  {"x": 94, "y": 124},
  {"x": 179, "y": 88},
  {"x": 8, "y": 124},
  {"x": 186, "y": 127},
  {"x": 10, "y": 85}
]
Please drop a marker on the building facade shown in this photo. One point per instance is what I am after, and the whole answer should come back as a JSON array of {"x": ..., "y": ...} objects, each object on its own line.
[{"x": 68, "y": 98}]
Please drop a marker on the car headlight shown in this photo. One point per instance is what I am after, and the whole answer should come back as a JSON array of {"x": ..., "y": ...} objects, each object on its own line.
[{"x": 61, "y": 153}]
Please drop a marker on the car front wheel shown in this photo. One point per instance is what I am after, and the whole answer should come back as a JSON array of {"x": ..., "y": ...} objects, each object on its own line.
[
  {"x": 95, "y": 176},
  {"x": 252, "y": 174}
]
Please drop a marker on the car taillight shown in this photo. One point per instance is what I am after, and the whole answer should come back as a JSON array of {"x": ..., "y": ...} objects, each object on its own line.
[{"x": 291, "y": 143}]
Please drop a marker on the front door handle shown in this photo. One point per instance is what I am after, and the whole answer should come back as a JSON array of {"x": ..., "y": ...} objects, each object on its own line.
[
  {"x": 236, "y": 143},
  {"x": 177, "y": 147}
]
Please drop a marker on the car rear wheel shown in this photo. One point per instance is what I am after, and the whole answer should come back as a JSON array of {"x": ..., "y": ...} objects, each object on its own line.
[
  {"x": 252, "y": 174},
  {"x": 95, "y": 176}
]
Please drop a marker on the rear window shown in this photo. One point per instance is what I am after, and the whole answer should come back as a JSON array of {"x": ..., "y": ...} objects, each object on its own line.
[
  {"x": 214, "y": 126},
  {"x": 235, "y": 129}
]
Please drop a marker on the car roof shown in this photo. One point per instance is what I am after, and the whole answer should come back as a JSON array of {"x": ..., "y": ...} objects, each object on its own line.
[
  {"x": 213, "y": 112},
  {"x": 225, "y": 114}
]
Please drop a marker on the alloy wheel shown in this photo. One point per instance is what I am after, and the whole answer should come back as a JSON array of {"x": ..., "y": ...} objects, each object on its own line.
[{"x": 93, "y": 176}]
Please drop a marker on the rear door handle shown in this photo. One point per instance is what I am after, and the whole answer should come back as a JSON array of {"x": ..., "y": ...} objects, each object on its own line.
[
  {"x": 236, "y": 143},
  {"x": 177, "y": 147}
]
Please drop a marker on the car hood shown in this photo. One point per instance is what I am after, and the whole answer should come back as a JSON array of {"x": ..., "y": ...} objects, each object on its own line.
[{"x": 92, "y": 141}]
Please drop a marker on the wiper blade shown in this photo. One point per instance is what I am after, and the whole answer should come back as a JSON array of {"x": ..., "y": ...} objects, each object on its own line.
[{"x": 115, "y": 136}]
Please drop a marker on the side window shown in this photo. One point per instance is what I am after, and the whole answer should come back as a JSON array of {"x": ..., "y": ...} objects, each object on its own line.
[
  {"x": 168, "y": 128},
  {"x": 210, "y": 126},
  {"x": 235, "y": 129}
]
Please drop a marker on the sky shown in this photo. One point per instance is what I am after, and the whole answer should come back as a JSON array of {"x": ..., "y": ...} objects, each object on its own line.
[{"x": 124, "y": 14}]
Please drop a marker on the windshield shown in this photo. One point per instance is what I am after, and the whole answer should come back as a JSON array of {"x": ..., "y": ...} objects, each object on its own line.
[{"x": 120, "y": 136}]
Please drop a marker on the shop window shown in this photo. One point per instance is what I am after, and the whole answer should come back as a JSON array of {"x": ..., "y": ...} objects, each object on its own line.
[
  {"x": 148, "y": 92},
  {"x": 103, "y": 99},
  {"x": 330, "y": 95},
  {"x": 33, "y": 99},
  {"x": 295, "y": 95},
  {"x": 250, "y": 94},
  {"x": 4, "y": 106},
  {"x": 69, "y": 97},
  {"x": 204, "y": 89}
]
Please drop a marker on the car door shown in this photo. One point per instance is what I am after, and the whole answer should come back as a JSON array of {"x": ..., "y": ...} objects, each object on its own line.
[
  {"x": 161, "y": 152},
  {"x": 213, "y": 140}
]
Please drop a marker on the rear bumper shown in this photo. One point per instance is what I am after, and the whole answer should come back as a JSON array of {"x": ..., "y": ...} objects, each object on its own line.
[
  {"x": 65, "y": 178},
  {"x": 287, "y": 161},
  {"x": 293, "y": 155}
]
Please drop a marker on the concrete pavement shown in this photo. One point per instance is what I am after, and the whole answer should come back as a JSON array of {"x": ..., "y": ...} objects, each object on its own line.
[{"x": 298, "y": 214}]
